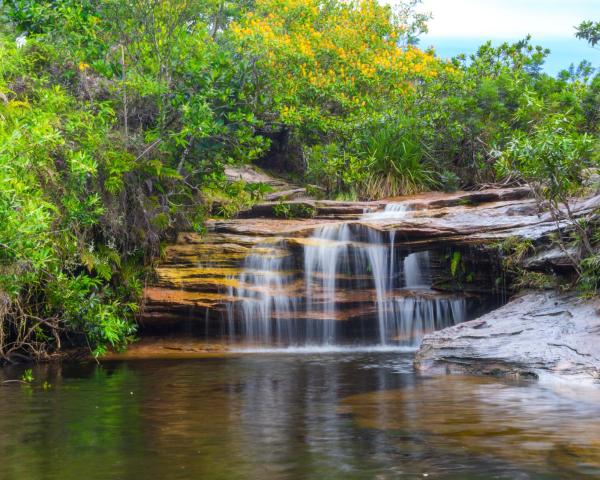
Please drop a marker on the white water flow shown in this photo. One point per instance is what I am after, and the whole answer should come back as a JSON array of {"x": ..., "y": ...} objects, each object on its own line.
[
  {"x": 268, "y": 303},
  {"x": 347, "y": 285},
  {"x": 325, "y": 258},
  {"x": 390, "y": 212}
]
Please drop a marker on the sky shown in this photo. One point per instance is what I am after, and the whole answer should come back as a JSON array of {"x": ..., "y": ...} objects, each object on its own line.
[{"x": 460, "y": 26}]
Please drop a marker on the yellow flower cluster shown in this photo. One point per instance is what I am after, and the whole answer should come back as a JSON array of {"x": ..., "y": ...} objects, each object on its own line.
[{"x": 346, "y": 50}]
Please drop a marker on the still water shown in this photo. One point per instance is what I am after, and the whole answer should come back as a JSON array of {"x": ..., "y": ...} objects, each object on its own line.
[{"x": 344, "y": 415}]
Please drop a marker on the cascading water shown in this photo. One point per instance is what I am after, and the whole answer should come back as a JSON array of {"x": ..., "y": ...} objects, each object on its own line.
[
  {"x": 268, "y": 303},
  {"x": 415, "y": 268},
  {"x": 323, "y": 262},
  {"x": 351, "y": 284},
  {"x": 391, "y": 211}
]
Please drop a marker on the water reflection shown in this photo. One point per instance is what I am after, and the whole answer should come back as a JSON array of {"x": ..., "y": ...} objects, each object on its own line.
[
  {"x": 524, "y": 424},
  {"x": 334, "y": 416}
]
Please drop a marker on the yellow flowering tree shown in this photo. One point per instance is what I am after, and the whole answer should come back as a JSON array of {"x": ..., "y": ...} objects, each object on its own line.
[
  {"x": 325, "y": 68},
  {"x": 326, "y": 61}
]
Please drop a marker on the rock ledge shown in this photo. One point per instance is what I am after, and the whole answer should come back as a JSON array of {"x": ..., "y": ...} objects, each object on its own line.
[{"x": 539, "y": 335}]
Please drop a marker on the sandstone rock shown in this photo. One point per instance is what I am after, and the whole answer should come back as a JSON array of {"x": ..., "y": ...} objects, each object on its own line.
[
  {"x": 551, "y": 258},
  {"x": 543, "y": 335},
  {"x": 199, "y": 271},
  {"x": 252, "y": 174},
  {"x": 345, "y": 210},
  {"x": 286, "y": 194},
  {"x": 460, "y": 218}
]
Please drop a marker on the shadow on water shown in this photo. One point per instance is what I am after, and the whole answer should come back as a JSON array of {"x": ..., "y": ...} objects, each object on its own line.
[{"x": 315, "y": 416}]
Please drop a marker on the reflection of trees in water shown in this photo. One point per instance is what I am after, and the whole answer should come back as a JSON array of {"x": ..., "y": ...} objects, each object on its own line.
[
  {"x": 88, "y": 420},
  {"x": 276, "y": 417}
]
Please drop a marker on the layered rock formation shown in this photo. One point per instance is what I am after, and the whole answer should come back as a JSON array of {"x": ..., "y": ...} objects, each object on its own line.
[
  {"x": 266, "y": 268},
  {"x": 541, "y": 335},
  {"x": 203, "y": 277}
]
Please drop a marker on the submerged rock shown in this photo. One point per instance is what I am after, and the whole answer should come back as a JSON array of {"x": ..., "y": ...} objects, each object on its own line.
[{"x": 541, "y": 335}]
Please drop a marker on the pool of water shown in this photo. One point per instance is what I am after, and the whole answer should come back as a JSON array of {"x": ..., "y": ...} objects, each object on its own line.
[{"x": 340, "y": 415}]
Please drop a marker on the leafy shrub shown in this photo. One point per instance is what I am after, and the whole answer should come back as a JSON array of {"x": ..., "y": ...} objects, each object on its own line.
[
  {"x": 552, "y": 159},
  {"x": 294, "y": 210},
  {"x": 397, "y": 160},
  {"x": 55, "y": 153},
  {"x": 449, "y": 181},
  {"x": 553, "y": 155}
]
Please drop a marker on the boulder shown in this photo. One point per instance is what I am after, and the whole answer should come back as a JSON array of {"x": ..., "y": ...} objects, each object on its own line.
[
  {"x": 554, "y": 258},
  {"x": 542, "y": 335}
]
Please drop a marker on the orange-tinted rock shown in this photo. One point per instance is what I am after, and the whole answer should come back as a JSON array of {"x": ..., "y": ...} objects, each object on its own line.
[{"x": 199, "y": 270}]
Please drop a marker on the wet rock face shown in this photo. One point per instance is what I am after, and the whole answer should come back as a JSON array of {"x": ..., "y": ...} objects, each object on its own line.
[
  {"x": 542, "y": 335},
  {"x": 348, "y": 265},
  {"x": 355, "y": 276}
]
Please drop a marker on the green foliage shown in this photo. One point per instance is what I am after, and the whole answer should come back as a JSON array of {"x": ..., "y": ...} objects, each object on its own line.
[
  {"x": 385, "y": 158},
  {"x": 55, "y": 153},
  {"x": 397, "y": 160},
  {"x": 27, "y": 376},
  {"x": 294, "y": 210},
  {"x": 514, "y": 250},
  {"x": 337, "y": 171},
  {"x": 447, "y": 133},
  {"x": 526, "y": 279},
  {"x": 552, "y": 159},
  {"x": 227, "y": 199},
  {"x": 455, "y": 260},
  {"x": 553, "y": 153},
  {"x": 449, "y": 181},
  {"x": 117, "y": 120},
  {"x": 589, "y": 31},
  {"x": 590, "y": 274}
]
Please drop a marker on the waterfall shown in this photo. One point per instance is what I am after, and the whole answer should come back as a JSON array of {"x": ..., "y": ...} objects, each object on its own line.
[
  {"x": 265, "y": 288},
  {"x": 322, "y": 262},
  {"x": 390, "y": 212},
  {"x": 415, "y": 268},
  {"x": 350, "y": 284}
]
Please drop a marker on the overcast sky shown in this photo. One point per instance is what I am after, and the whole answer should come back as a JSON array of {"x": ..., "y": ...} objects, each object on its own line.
[
  {"x": 508, "y": 18},
  {"x": 461, "y": 25}
]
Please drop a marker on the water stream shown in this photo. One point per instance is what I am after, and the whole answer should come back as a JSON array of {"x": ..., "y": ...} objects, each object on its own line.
[{"x": 346, "y": 284}]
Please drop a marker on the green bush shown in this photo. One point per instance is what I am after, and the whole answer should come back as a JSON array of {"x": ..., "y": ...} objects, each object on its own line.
[
  {"x": 397, "y": 160},
  {"x": 59, "y": 159},
  {"x": 385, "y": 158},
  {"x": 294, "y": 210},
  {"x": 118, "y": 118},
  {"x": 553, "y": 155}
]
